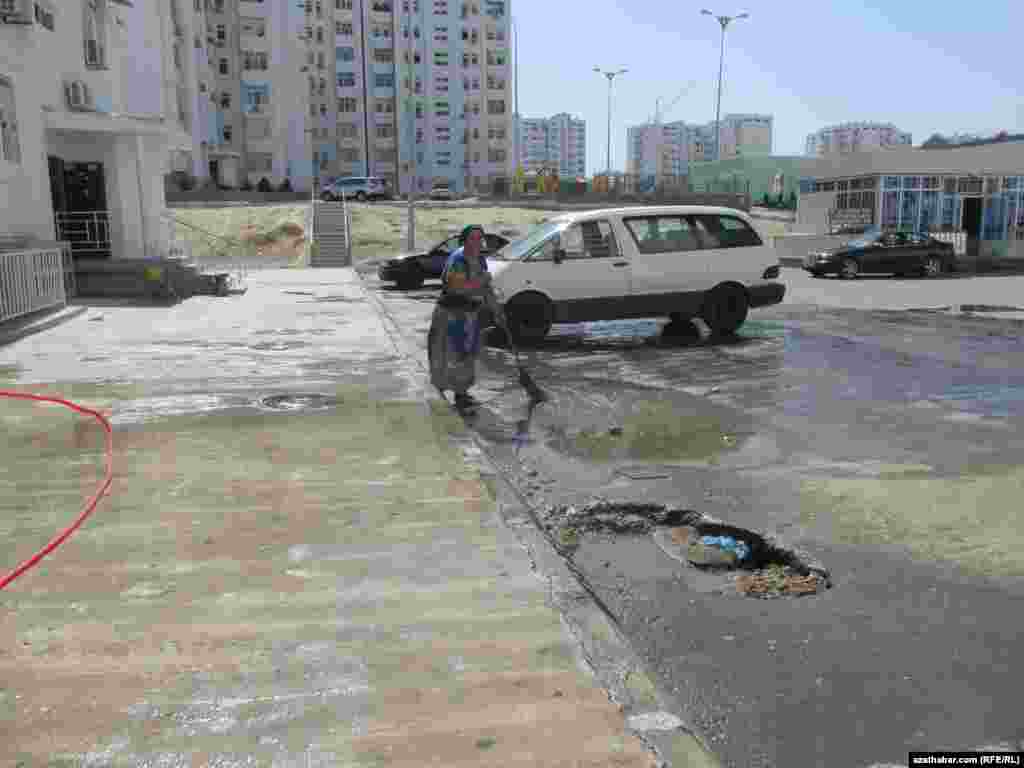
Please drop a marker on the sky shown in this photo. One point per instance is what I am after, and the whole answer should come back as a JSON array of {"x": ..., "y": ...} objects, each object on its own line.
[{"x": 927, "y": 67}]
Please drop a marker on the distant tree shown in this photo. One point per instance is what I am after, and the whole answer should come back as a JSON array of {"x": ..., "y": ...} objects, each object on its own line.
[
  {"x": 264, "y": 185},
  {"x": 792, "y": 200},
  {"x": 766, "y": 201},
  {"x": 936, "y": 140}
]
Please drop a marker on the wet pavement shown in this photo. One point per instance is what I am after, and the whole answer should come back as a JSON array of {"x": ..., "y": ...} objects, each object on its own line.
[{"x": 885, "y": 443}]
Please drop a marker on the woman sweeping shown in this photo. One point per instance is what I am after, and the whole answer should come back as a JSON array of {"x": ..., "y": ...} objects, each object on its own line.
[{"x": 453, "y": 344}]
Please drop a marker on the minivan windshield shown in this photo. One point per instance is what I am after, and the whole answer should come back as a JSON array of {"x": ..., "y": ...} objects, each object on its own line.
[{"x": 518, "y": 249}]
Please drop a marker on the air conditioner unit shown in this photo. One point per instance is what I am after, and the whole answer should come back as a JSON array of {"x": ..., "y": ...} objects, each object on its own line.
[
  {"x": 16, "y": 12},
  {"x": 78, "y": 96}
]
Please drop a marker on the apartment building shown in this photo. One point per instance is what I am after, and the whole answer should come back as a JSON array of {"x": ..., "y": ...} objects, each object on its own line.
[
  {"x": 656, "y": 149},
  {"x": 855, "y": 137},
  {"x": 454, "y": 105},
  {"x": 89, "y": 109},
  {"x": 558, "y": 142}
]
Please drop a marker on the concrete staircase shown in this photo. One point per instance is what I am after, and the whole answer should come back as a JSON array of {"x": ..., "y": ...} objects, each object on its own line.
[{"x": 331, "y": 238}]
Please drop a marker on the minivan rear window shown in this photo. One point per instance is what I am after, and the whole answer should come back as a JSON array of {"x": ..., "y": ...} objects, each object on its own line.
[
  {"x": 662, "y": 234},
  {"x": 720, "y": 231}
]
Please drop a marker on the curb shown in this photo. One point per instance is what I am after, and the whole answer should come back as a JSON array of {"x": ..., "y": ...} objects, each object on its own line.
[
  {"x": 600, "y": 643},
  {"x": 9, "y": 336}
]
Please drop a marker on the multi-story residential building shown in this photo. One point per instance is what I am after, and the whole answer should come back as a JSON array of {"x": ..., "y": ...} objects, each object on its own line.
[
  {"x": 742, "y": 135},
  {"x": 88, "y": 112},
  {"x": 455, "y": 94},
  {"x": 555, "y": 143},
  {"x": 656, "y": 149},
  {"x": 855, "y": 137}
]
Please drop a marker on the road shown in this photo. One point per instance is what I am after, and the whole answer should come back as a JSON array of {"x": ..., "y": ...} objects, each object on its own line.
[{"x": 884, "y": 443}]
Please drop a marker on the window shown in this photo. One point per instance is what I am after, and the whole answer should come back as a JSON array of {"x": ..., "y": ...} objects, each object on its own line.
[
  {"x": 255, "y": 27},
  {"x": 662, "y": 234},
  {"x": 312, "y": 110},
  {"x": 440, "y": 34},
  {"x": 441, "y": 7},
  {"x": 949, "y": 185},
  {"x": 385, "y": 131},
  {"x": 345, "y": 54},
  {"x": 349, "y": 155},
  {"x": 95, "y": 57},
  {"x": 218, "y": 6},
  {"x": 223, "y": 67},
  {"x": 475, "y": 59},
  {"x": 384, "y": 107},
  {"x": 44, "y": 17},
  {"x": 387, "y": 155},
  {"x": 320, "y": 60},
  {"x": 384, "y": 81},
  {"x": 319, "y": 9},
  {"x": 380, "y": 30},
  {"x": 347, "y": 105},
  {"x": 589, "y": 240},
  {"x": 441, "y": 109},
  {"x": 442, "y": 134},
  {"x": 348, "y": 130},
  {"x": 222, "y": 34},
  {"x": 419, "y": 111},
  {"x": 419, "y": 137},
  {"x": 323, "y": 110},
  {"x": 225, "y": 101},
  {"x": 476, "y": 133},
  {"x": 346, "y": 80},
  {"x": 323, "y": 87},
  {"x": 441, "y": 58},
  {"x": 343, "y": 5},
  {"x": 319, "y": 34},
  {"x": 476, "y": 157},
  {"x": 725, "y": 232},
  {"x": 10, "y": 149},
  {"x": 496, "y": 155},
  {"x": 228, "y": 133},
  {"x": 496, "y": 107}
]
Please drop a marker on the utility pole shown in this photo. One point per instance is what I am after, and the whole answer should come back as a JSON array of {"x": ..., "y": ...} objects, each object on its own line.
[
  {"x": 410, "y": 109},
  {"x": 611, "y": 76},
  {"x": 724, "y": 21}
]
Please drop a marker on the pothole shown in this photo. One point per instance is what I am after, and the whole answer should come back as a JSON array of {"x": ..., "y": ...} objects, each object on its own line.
[
  {"x": 755, "y": 563},
  {"x": 298, "y": 402}
]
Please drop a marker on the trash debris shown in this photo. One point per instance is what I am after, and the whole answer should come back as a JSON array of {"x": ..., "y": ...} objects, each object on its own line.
[
  {"x": 779, "y": 580},
  {"x": 728, "y": 544}
]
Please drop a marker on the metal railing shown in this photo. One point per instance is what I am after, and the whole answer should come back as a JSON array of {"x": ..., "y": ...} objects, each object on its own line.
[
  {"x": 87, "y": 231},
  {"x": 31, "y": 280}
]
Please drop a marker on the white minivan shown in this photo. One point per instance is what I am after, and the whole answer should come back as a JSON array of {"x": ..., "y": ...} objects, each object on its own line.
[{"x": 679, "y": 261}]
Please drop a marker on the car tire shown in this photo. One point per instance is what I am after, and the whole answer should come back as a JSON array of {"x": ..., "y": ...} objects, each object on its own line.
[
  {"x": 725, "y": 309},
  {"x": 849, "y": 269},
  {"x": 361, "y": 196},
  {"x": 529, "y": 318},
  {"x": 327, "y": 197},
  {"x": 933, "y": 266}
]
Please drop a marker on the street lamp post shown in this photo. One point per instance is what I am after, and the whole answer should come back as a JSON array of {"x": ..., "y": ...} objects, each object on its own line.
[
  {"x": 410, "y": 69},
  {"x": 725, "y": 21},
  {"x": 611, "y": 76}
]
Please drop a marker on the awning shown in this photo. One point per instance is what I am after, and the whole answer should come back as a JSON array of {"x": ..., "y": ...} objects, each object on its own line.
[{"x": 112, "y": 123}]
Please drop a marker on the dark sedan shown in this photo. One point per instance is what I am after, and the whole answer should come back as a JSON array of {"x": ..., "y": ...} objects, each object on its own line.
[
  {"x": 894, "y": 253},
  {"x": 410, "y": 272}
]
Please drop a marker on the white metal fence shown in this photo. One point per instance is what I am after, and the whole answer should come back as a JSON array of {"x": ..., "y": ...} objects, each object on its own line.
[{"x": 31, "y": 280}]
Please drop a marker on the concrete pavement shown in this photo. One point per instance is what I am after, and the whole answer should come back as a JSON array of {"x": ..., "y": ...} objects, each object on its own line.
[{"x": 296, "y": 565}]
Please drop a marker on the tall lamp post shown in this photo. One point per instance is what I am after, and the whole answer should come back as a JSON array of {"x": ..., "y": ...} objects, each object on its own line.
[
  {"x": 410, "y": 109},
  {"x": 611, "y": 76},
  {"x": 725, "y": 21}
]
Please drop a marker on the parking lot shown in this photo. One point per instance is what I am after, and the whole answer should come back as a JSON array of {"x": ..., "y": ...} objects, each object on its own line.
[{"x": 860, "y": 422}]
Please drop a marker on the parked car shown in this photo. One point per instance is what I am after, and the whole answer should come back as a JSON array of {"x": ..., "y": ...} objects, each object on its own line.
[
  {"x": 899, "y": 253},
  {"x": 357, "y": 187},
  {"x": 411, "y": 271},
  {"x": 653, "y": 261},
  {"x": 441, "y": 190}
]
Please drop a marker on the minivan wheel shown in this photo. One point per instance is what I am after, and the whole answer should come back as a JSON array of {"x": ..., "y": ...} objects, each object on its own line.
[
  {"x": 725, "y": 309},
  {"x": 932, "y": 266},
  {"x": 849, "y": 269},
  {"x": 529, "y": 317}
]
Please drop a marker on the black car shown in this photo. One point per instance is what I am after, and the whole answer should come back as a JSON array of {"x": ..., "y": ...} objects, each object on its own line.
[
  {"x": 898, "y": 253},
  {"x": 411, "y": 271}
]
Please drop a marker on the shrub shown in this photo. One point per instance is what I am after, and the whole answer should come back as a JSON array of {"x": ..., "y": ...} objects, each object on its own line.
[{"x": 264, "y": 185}]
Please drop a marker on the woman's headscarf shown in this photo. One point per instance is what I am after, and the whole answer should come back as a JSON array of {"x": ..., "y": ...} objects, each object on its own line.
[{"x": 464, "y": 235}]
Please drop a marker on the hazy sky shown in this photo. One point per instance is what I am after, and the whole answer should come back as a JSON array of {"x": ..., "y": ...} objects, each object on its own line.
[{"x": 925, "y": 66}]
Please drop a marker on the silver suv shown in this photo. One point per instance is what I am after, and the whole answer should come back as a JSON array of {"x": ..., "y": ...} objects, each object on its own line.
[{"x": 356, "y": 187}]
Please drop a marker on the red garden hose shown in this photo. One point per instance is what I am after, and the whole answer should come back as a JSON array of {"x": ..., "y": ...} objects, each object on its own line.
[{"x": 93, "y": 500}]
